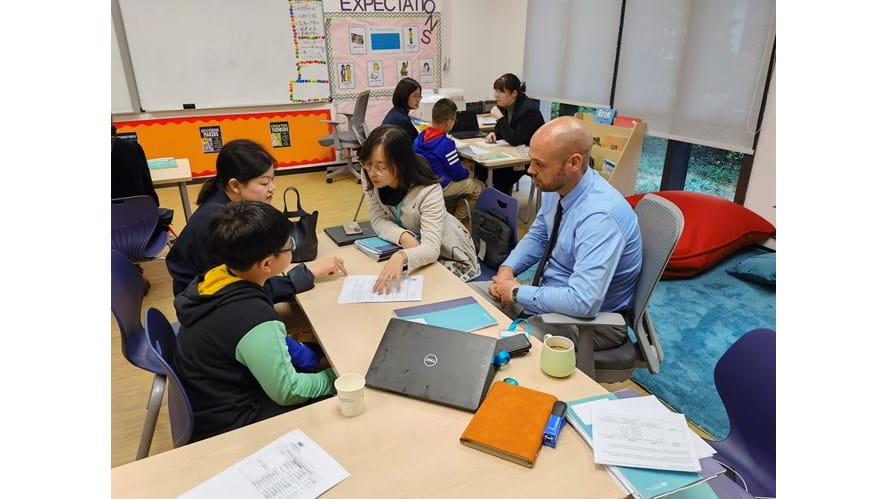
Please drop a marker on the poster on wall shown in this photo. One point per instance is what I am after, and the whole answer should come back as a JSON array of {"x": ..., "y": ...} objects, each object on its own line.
[
  {"x": 426, "y": 70},
  {"x": 404, "y": 69},
  {"x": 210, "y": 139},
  {"x": 280, "y": 134},
  {"x": 357, "y": 36},
  {"x": 411, "y": 40},
  {"x": 346, "y": 75},
  {"x": 375, "y": 74}
]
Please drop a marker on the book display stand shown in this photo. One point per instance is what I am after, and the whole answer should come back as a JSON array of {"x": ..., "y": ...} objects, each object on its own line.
[{"x": 617, "y": 149}]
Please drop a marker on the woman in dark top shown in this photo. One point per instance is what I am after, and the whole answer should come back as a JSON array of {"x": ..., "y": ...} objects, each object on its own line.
[
  {"x": 517, "y": 119},
  {"x": 244, "y": 172},
  {"x": 407, "y": 95}
]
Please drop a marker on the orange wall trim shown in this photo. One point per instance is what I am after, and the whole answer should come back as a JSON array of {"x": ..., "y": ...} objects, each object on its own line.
[{"x": 182, "y": 137}]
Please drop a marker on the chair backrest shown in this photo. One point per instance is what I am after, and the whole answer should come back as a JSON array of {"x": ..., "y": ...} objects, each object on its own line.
[
  {"x": 661, "y": 223},
  {"x": 133, "y": 220},
  {"x": 127, "y": 291},
  {"x": 491, "y": 199},
  {"x": 162, "y": 344},
  {"x": 358, "y": 119},
  {"x": 745, "y": 377}
]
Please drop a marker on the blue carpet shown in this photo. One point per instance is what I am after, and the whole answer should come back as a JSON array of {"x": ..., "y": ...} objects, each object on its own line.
[{"x": 697, "y": 320}]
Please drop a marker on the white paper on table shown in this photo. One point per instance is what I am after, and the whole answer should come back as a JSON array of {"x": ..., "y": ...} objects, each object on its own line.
[
  {"x": 486, "y": 120},
  {"x": 661, "y": 441},
  {"x": 359, "y": 289},
  {"x": 291, "y": 466},
  {"x": 472, "y": 150},
  {"x": 647, "y": 405}
]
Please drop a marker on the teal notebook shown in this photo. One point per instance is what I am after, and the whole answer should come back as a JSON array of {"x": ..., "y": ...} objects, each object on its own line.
[
  {"x": 647, "y": 483},
  {"x": 463, "y": 314}
]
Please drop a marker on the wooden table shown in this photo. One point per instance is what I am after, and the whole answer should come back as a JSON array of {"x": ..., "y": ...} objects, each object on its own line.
[
  {"x": 180, "y": 175},
  {"x": 517, "y": 157},
  {"x": 399, "y": 447}
]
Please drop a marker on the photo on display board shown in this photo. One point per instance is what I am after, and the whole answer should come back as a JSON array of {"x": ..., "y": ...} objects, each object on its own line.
[
  {"x": 345, "y": 73},
  {"x": 280, "y": 134},
  {"x": 211, "y": 139},
  {"x": 411, "y": 38},
  {"x": 404, "y": 68},
  {"x": 357, "y": 36},
  {"x": 375, "y": 74},
  {"x": 426, "y": 70}
]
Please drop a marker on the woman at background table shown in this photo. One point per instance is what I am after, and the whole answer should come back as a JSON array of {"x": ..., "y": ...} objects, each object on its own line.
[
  {"x": 407, "y": 95},
  {"x": 406, "y": 207},
  {"x": 244, "y": 172},
  {"x": 517, "y": 119}
]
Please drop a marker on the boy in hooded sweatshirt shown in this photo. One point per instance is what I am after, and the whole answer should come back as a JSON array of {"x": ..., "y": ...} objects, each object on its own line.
[
  {"x": 440, "y": 152},
  {"x": 231, "y": 352}
]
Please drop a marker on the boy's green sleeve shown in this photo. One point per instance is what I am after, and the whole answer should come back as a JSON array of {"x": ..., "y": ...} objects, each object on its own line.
[{"x": 263, "y": 351}]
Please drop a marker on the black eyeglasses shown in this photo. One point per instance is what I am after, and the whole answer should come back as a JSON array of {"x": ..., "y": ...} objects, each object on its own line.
[{"x": 291, "y": 248}]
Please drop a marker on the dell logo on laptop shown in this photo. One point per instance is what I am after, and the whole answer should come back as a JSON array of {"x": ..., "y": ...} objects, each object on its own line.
[{"x": 430, "y": 360}]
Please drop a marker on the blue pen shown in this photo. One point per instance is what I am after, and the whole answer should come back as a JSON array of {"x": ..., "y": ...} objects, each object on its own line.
[{"x": 555, "y": 424}]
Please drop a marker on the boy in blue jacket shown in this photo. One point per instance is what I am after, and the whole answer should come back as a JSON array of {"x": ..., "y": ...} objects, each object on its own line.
[{"x": 440, "y": 152}]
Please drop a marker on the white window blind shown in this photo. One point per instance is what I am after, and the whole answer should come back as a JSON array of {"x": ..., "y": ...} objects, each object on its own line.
[
  {"x": 570, "y": 50},
  {"x": 693, "y": 69}
]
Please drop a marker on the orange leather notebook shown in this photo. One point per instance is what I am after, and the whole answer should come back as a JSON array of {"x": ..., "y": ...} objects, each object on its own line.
[{"x": 510, "y": 423}]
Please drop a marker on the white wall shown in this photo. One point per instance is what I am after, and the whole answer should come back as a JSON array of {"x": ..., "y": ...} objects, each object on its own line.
[
  {"x": 482, "y": 40},
  {"x": 761, "y": 194}
]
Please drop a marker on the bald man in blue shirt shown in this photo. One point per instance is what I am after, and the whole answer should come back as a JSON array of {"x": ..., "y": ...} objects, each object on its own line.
[{"x": 595, "y": 260}]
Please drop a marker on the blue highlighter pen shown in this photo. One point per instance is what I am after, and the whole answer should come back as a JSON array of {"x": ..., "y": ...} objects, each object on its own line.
[{"x": 555, "y": 424}]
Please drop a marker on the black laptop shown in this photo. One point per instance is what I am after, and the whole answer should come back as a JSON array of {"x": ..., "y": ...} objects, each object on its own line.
[
  {"x": 466, "y": 126},
  {"x": 432, "y": 363}
]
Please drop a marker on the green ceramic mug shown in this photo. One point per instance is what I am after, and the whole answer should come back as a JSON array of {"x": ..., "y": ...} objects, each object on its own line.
[{"x": 558, "y": 356}]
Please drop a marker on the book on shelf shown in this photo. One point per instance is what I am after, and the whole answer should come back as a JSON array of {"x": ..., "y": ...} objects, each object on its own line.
[
  {"x": 376, "y": 248},
  {"x": 626, "y": 121},
  {"x": 604, "y": 115},
  {"x": 510, "y": 422},
  {"x": 614, "y": 143},
  {"x": 463, "y": 314},
  {"x": 648, "y": 483}
]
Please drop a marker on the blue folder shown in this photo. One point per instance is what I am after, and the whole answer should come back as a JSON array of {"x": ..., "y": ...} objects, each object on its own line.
[{"x": 462, "y": 314}]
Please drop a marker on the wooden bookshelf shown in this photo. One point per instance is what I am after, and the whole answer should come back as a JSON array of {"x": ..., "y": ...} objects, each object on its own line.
[{"x": 626, "y": 159}]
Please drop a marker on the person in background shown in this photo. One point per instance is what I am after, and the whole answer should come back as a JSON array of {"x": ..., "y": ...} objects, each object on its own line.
[
  {"x": 440, "y": 152},
  {"x": 244, "y": 172},
  {"x": 585, "y": 239},
  {"x": 231, "y": 353},
  {"x": 517, "y": 119},
  {"x": 407, "y": 95},
  {"x": 406, "y": 207}
]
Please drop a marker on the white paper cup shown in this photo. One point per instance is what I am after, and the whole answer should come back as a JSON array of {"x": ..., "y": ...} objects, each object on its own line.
[{"x": 351, "y": 390}]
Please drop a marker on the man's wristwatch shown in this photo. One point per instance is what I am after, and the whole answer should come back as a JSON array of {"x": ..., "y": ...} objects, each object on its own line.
[{"x": 514, "y": 293}]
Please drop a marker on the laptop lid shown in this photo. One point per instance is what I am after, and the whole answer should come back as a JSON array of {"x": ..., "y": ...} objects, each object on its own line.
[
  {"x": 432, "y": 363},
  {"x": 466, "y": 121}
]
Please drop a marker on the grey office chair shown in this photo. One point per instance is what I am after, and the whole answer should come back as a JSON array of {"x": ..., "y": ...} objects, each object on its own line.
[
  {"x": 661, "y": 223},
  {"x": 348, "y": 141}
]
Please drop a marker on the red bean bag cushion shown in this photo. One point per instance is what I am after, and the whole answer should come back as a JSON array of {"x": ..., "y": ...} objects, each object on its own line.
[{"x": 713, "y": 229}]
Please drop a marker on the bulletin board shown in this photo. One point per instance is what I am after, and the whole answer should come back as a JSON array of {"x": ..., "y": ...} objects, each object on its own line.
[
  {"x": 374, "y": 50},
  {"x": 290, "y": 136}
]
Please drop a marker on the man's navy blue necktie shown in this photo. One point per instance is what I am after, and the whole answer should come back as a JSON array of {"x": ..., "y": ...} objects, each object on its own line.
[{"x": 551, "y": 242}]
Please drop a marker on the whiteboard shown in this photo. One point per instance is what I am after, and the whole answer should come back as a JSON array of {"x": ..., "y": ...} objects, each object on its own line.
[
  {"x": 121, "y": 101},
  {"x": 223, "y": 54}
]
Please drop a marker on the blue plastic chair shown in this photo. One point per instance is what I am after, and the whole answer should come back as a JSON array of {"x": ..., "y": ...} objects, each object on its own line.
[
  {"x": 745, "y": 377},
  {"x": 126, "y": 305},
  {"x": 491, "y": 199},
  {"x": 161, "y": 340},
  {"x": 133, "y": 225}
]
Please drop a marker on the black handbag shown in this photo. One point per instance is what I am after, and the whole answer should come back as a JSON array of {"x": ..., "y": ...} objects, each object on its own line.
[{"x": 303, "y": 229}]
